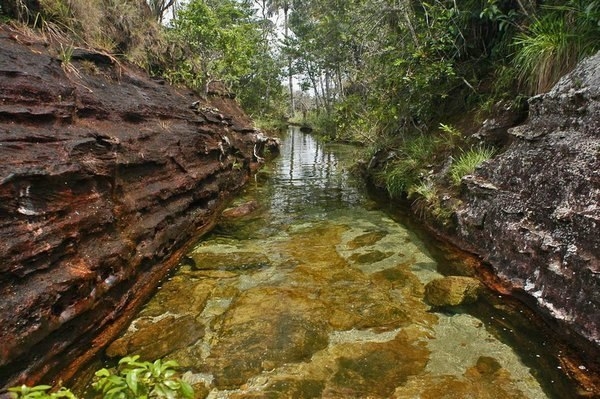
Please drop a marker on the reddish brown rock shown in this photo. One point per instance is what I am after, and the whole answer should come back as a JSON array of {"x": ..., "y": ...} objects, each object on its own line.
[
  {"x": 105, "y": 176},
  {"x": 240, "y": 210}
]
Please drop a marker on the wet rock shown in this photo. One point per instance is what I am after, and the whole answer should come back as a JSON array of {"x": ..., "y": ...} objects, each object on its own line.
[
  {"x": 375, "y": 369},
  {"x": 366, "y": 239},
  {"x": 265, "y": 328},
  {"x": 287, "y": 388},
  {"x": 156, "y": 337},
  {"x": 179, "y": 295},
  {"x": 105, "y": 174},
  {"x": 240, "y": 210},
  {"x": 533, "y": 212},
  {"x": 452, "y": 291},
  {"x": 485, "y": 380},
  {"x": 370, "y": 257}
]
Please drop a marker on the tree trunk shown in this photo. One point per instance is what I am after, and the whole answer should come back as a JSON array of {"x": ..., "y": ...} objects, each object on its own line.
[{"x": 290, "y": 74}]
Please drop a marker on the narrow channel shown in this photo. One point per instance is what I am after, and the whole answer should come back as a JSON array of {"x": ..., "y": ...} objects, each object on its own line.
[{"x": 319, "y": 293}]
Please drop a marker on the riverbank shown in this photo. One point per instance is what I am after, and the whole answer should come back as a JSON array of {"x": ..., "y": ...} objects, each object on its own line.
[
  {"x": 531, "y": 211},
  {"x": 106, "y": 174}
]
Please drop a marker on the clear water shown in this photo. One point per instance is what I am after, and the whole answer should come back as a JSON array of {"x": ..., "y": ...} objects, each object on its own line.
[{"x": 318, "y": 293}]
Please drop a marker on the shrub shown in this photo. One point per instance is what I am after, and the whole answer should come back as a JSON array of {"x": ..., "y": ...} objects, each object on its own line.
[
  {"x": 555, "y": 42},
  {"x": 414, "y": 156},
  {"x": 132, "y": 379}
]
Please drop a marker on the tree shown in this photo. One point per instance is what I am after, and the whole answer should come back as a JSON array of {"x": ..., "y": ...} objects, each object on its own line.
[
  {"x": 220, "y": 39},
  {"x": 286, "y": 6},
  {"x": 160, "y": 7}
]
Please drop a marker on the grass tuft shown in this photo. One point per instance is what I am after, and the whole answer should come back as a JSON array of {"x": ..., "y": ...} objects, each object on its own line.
[
  {"x": 468, "y": 161},
  {"x": 554, "y": 43}
]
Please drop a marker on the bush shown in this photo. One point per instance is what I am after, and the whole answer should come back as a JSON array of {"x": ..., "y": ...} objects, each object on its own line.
[
  {"x": 412, "y": 160},
  {"x": 135, "y": 379}
]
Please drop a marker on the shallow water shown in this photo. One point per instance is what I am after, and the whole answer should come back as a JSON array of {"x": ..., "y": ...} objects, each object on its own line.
[{"x": 319, "y": 294}]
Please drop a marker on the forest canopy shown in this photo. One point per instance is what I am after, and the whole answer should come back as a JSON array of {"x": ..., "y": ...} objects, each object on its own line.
[{"x": 361, "y": 70}]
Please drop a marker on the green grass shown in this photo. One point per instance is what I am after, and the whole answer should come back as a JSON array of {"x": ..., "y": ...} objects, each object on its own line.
[
  {"x": 554, "y": 43},
  {"x": 410, "y": 165},
  {"x": 468, "y": 161}
]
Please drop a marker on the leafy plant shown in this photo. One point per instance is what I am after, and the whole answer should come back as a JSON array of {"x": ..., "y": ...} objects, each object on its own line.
[
  {"x": 40, "y": 392},
  {"x": 134, "y": 379},
  {"x": 427, "y": 201},
  {"x": 468, "y": 161},
  {"x": 65, "y": 54}
]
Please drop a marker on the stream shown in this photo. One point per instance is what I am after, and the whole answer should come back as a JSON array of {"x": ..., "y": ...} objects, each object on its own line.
[{"x": 318, "y": 293}]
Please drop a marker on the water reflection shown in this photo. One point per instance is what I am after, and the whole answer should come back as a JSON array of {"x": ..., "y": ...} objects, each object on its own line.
[{"x": 310, "y": 179}]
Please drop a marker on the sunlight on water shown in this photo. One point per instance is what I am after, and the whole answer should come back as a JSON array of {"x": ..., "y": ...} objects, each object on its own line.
[{"x": 319, "y": 294}]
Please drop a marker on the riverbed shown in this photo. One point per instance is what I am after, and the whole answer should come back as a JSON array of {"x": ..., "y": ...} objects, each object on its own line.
[{"x": 319, "y": 293}]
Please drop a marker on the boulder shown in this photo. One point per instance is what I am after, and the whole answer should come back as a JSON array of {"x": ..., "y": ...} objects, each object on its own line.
[
  {"x": 105, "y": 176},
  {"x": 242, "y": 210},
  {"x": 533, "y": 212},
  {"x": 452, "y": 291}
]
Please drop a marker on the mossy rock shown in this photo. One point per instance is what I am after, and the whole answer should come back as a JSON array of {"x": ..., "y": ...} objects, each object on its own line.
[{"x": 452, "y": 291}]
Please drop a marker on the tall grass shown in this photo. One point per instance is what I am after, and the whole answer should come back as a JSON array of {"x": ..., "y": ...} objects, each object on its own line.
[{"x": 553, "y": 43}]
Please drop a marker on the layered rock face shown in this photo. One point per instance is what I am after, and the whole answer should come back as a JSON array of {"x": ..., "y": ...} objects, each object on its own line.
[
  {"x": 105, "y": 175},
  {"x": 534, "y": 211}
]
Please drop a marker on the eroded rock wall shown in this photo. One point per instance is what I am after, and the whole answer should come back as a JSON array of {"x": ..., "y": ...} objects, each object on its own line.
[
  {"x": 104, "y": 175},
  {"x": 533, "y": 211}
]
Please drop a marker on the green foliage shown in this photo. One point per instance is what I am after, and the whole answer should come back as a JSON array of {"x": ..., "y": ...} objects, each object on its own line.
[
  {"x": 427, "y": 201},
  {"x": 224, "y": 41},
  {"x": 40, "y": 392},
  {"x": 555, "y": 41},
  {"x": 135, "y": 379},
  {"x": 410, "y": 165},
  {"x": 65, "y": 54},
  {"x": 132, "y": 379},
  {"x": 220, "y": 39},
  {"x": 468, "y": 161}
]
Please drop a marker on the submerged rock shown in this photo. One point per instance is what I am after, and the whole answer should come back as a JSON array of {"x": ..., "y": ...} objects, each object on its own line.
[
  {"x": 452, "y": 291},
  {"x": 240, "y": 210},
  {"x": 230, "y": 261},
  {"x": 154, "y": 338}
]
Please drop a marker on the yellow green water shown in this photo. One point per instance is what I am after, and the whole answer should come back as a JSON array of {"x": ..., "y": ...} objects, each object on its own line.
[{"x": 319, "y": 294}]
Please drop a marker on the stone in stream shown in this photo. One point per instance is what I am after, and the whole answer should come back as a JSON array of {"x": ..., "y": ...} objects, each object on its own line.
[
  {"x": 485, "y": 380},
  {"x": 265, "y": 328},
  {"x": 241, "y": 210},
  {"x": 156, "y": 337},
  {"x": 452, "y": 291}
]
